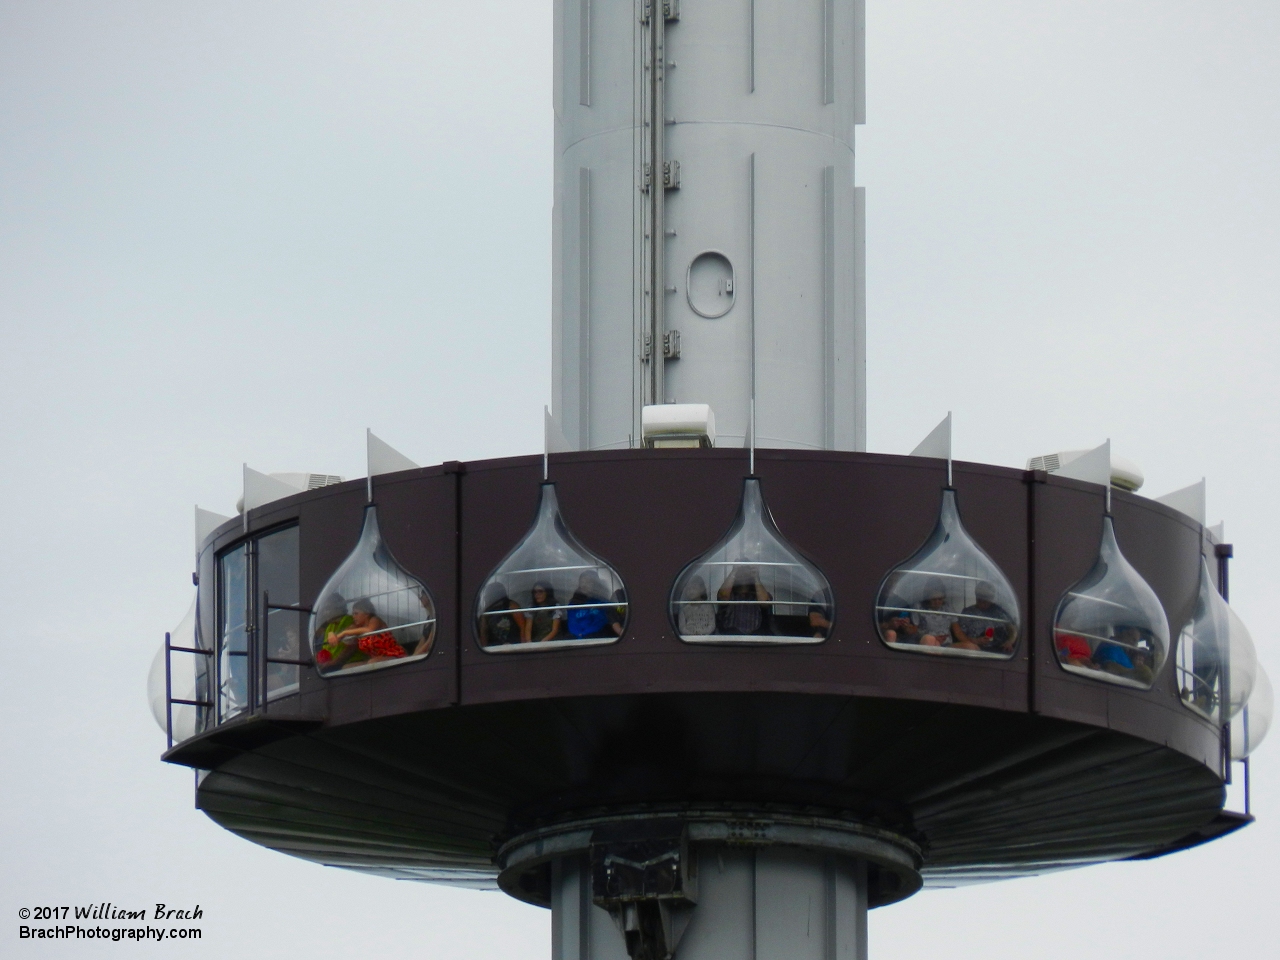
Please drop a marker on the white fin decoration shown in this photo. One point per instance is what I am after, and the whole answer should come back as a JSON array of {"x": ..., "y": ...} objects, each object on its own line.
[
  {"x": 553, "y": 434},
  {"x": 206, "y": 522},
  {"x": 1093, "y": 466},
  {"x": 938, "y": 443},
  {"x": 261, "y": 489},
  {"x": 384, "y": 458},
  {"x": 1188, "y": 500}
]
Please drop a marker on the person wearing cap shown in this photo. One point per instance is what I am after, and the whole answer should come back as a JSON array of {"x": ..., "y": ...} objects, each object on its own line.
[
  {"x": 920, "y": 624},
  {"x": 367, "y": 640},
  {"x": 984, "y": 625},
  {"x": 934, "y": 620}
]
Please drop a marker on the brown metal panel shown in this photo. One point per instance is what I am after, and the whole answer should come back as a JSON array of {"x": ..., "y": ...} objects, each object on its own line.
[{"x": 649, "y": 513}]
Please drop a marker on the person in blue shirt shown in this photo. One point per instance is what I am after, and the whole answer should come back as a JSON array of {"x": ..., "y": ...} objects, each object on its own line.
[
  {"x": 1127, "y": 654},
  {"x": 590, "y": 615}
]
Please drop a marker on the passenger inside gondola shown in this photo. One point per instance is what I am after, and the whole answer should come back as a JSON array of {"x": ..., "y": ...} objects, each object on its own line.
[
  {"x": 1074, "y": 650},
  {"x": 743, "y": 609},
  {"x": 898, "y": 627},
  {"x": 819, "y": 618},
  {"x": 501, "y": 622},
  {"x": 427, "y": 635},
  {"x": 544, "y": 619},
  {"x": 934, "y": 622},
  {"x": 798, "y": 617},
  {"x": 368, "y": 635},
  {"x": 1128, "y": 654},
  {"x": 928, "y": 625},
  {"x": 333, "y": 653},
  {"x": 984, "y": 624},
  {"x": 696, "y": 616},
  {"x": 591, "y": 614}
]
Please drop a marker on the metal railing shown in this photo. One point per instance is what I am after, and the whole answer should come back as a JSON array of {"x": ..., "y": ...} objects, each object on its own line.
[
  {"x": 170, "y": 700},
  {"x": 258, "y": 659},
  {"x": 1224, "y": 552}
]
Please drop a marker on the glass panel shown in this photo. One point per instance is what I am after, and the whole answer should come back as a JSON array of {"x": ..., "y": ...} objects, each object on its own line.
[
  {"x": 765, "y": 591},
  {"x": 206, "y": 634},
  {"x": 1250, "y": 728},
  {"x": 949, "y": 597},
  {"x": 183, "y": 681},
  {"x": 550, "y": 591},
  {"x": 372, "y": 612},
  {"x": 278, "y": 586},
  {"x": 1243, "y": 664},
  {"x": 1200, "y": 650},
  {"x": 1110, "y": 626},
  {"x": 233, "y": 664}
]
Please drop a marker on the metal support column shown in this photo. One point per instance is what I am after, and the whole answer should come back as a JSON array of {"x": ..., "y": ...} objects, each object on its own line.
[{"x": 655, "y": 177}]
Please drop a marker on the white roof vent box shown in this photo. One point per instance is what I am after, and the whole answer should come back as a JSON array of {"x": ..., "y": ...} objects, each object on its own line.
[
  {"x": 1125, "y": 474},
  {"x": 678, "y": 425},
  {"x": 262, "y": 490}
]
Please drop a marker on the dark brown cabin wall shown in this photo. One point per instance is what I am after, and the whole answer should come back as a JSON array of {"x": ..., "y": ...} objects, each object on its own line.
[{"x": 648, "y": 513}]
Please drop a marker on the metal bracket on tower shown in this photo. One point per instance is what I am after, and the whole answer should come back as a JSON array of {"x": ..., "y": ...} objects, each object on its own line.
[
  {"x": 670, "y": 178},
  {"x": 671, "y": 344},
  {"x": 644, "y": 873},
  {"x": 670, "y": 10}
]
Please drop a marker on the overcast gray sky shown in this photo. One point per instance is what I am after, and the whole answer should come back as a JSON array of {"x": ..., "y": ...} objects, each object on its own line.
[{"x": 211, "y": 214}]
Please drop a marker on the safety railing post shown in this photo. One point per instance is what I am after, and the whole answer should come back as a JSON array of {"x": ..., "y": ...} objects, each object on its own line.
[
  {"x": 263, "y": 643},
  {"x": 168, "y": 689}
]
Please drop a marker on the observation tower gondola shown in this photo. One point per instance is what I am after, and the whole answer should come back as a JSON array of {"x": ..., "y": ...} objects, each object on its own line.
[{"x": 706, "y": 667}]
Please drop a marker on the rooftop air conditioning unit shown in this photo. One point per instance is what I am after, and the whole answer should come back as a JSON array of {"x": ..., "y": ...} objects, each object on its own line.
[
  {"x": 678, "y": 425},
  {"x": 1125, "y": 474}
]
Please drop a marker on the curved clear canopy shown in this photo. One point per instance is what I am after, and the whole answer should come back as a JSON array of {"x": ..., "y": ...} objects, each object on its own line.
[
  {"x": 1250, "y": 728},
  {"x": 1243, "y": 664},
  {"x": 949, "y": 597},
  {"x": 1110, "y": 625},
  {"x": 550, "y": 591},
  {"x": 752, "y": 586},
  {"x": 372, "y": 613},
  {"x": 1201, "y": 647},
  {"x": 187, "y": 673}
]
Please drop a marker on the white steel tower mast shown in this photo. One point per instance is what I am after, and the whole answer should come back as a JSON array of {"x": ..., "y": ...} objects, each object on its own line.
[{"x": 708, "y": 237}]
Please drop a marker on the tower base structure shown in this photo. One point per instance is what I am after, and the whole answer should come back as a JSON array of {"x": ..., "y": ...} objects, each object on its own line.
[{"x": 709, "y": 885}]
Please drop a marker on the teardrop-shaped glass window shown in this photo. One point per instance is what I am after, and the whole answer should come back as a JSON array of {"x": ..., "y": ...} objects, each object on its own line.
[
  {"x": 1110, "y": 625},
  {"x": 949, "y": 597},
  {"x": 550, "y": 591},
  {"x": 1243, "y": 664},
  {"x": 1250, "y": 728},
  {"x": 1201, "y": 647},
  {"x": 372, "y": 613},
  {"x": 752, "y": 586}
]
